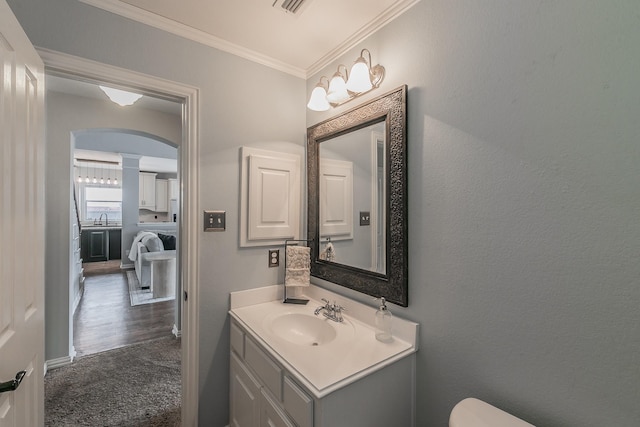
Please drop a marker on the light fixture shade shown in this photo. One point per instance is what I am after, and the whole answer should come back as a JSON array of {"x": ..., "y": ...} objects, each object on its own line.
[
  {"x": 359, "y": 78},
  {"x": 337, "y": 89},
  {"x": 121, "y": 97},
  {"x": 318, "y": 100}
]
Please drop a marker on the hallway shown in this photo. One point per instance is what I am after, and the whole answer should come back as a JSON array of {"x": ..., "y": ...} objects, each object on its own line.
[{"x": 105, "y": 319}]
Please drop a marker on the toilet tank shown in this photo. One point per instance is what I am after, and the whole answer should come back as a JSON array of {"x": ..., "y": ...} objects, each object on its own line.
[{"x": 476, "y": 413}]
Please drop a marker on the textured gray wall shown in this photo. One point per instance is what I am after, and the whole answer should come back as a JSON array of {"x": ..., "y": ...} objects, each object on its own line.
[{"x": 524, "y": 204}]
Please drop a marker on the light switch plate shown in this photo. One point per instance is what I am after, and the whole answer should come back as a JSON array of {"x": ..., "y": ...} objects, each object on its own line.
[
  {"x": 365, "y": 218},
  {"x": 215, "y": 220}
]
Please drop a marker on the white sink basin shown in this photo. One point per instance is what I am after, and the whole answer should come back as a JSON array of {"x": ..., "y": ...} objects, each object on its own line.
[
  {"x": 301, "y": 328},
  {"x": 323, "y": 352}
]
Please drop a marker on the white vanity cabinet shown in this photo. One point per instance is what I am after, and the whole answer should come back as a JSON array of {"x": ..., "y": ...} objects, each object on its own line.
[
  {"x": 266, "y": 391},
  {"x": 261, "y": 391}
]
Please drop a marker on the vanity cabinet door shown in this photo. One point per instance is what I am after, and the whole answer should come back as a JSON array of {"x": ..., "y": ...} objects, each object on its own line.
[
  {"x": 245, "y": 393},
  {"x": 266, "y": 369},
  {"x": 297, "y": 403},
  {"x": 271, "y": 415}
]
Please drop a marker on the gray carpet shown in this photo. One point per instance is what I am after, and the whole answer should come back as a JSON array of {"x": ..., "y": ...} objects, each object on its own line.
[{"x": 131, "y": 386}]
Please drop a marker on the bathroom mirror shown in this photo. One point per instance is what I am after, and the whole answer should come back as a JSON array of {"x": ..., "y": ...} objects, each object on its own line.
[{"x": 357, "y": 198}]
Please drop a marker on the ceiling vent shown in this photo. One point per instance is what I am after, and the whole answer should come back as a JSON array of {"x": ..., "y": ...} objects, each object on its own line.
[{"x": 290, "y": 6}]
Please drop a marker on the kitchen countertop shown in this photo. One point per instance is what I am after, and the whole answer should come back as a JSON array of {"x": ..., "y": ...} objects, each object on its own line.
[
  {"x": 168, "y": 224},
  {"x": 101, "y": 227}
]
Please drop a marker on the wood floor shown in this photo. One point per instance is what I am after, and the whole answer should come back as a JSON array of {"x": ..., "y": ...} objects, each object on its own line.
[{"x": 105, "y": 319}]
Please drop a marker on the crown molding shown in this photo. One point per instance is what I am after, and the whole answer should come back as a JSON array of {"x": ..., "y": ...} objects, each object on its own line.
[
  {"x": 380, "y": 21},
  {"x": 148, "y": 18}
]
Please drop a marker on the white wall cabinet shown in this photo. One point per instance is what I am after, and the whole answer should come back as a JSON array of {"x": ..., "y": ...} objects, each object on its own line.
[
  {"x": 162, "y": 198},
  {"x": 269, "y": 198},
  {"x": 174, "y": 189},
  {"x": 147, "y": 191}
]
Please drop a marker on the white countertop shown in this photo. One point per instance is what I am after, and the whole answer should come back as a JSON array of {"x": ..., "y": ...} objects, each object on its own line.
[{"x": 323, "y": 369}]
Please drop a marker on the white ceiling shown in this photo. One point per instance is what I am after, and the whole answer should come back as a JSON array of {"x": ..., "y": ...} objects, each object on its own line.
[
  {"x": 91, "y": 90},
  {"x": 300, "y": 44}
]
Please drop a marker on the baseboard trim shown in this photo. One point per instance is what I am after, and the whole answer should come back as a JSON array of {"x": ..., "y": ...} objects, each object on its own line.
[
  {"x": 175, "y": 331},
  {"x": 57, "y": 363}
]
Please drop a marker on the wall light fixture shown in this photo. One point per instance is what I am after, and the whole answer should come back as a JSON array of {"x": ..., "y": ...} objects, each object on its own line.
[
  {"x": 121, "y": 97},
  {"x": 345, "y": 87}
]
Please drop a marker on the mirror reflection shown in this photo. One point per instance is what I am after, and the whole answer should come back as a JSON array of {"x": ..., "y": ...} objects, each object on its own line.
[
  {"x": 352, "y": 199},
  {"x": 357, "y": 198}
]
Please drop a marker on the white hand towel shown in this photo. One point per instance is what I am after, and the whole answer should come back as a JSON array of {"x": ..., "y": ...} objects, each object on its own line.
[
  {"x": 298, "y": 272},
  {"x": 329, "y": 253}
]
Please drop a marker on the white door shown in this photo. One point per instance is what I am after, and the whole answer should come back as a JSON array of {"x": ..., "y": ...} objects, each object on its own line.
[{"x": 21, "y": 225}]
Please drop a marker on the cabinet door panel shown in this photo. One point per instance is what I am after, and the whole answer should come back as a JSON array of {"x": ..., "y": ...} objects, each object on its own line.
[
  {"x": 297, "y": 403},
  {"x": 266, "y": 369},
  {"x": 115, "y": 243},
  {"x": 97, "y": 246},
  {"x": 245, "y": 396},
  {"x": 271, "y": 415}
]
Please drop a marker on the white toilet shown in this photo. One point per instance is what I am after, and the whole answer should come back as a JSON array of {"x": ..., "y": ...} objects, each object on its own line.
[{"x": 475, "y": 413}]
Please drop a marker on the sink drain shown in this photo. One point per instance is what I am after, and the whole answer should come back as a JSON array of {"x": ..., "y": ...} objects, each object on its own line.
[{"x": 315, "y": 344}]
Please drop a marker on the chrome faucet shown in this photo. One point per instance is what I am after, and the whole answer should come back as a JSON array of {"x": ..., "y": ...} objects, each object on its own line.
[
  {"x": 331, "y": 311},
  {"x": 99, "y": 220}
]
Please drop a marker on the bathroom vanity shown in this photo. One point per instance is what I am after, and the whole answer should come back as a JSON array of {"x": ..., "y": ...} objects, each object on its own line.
[{"x": 293, "y": 367}]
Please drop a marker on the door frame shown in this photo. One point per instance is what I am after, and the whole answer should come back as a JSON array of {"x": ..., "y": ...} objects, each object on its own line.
[{"x": 79, "y": 68}]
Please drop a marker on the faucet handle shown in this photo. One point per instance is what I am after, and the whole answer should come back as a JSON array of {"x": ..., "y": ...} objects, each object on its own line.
[{"x": 326, "y": 301}]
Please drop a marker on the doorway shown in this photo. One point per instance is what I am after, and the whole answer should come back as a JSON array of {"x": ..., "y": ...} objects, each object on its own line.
[
  {"x": 81, "y": 69},
  {"x": 106, "y": 286}
]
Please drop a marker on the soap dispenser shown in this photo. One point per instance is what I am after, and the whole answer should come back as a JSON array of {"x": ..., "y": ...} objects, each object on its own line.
[{"x": 383, "y": 322}]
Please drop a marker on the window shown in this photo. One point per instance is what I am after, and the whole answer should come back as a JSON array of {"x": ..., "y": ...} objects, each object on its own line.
[{"x": 103, "y": 201}]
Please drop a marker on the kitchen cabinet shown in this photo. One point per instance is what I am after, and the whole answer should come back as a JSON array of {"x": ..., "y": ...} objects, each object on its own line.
[
  {"x": 94, "y": 245},
  {"x": 147, "y": 190},
  {"x": 100, "y": 244},
  {"x": 174, "y": 189},
  {"x": 115, "y": 244},
  {"x": 162, "y": 200}
]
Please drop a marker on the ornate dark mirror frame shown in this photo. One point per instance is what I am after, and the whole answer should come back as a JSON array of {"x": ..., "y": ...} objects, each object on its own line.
[{"x": 390, "y": 108}]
